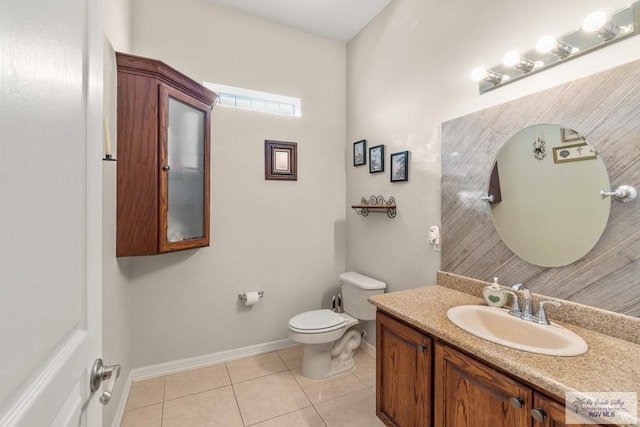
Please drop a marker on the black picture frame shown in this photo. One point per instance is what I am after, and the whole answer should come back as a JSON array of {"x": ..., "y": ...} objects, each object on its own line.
[
  {"x": 360, "y": 153},
  {"x": 280, "y": 160},
  {"x": 376, "y": 159},
  {"x": 399, "y": 166}
]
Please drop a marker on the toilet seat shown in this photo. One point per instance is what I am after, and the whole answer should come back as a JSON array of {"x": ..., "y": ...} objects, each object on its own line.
[{"x": 316, "y": 322}]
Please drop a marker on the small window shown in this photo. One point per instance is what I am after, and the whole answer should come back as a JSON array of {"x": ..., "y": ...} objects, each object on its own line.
[{"x": 248, "y": 99}]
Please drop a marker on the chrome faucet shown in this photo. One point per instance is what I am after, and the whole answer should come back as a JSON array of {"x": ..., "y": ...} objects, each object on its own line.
[{"x": 526, "y": 312}]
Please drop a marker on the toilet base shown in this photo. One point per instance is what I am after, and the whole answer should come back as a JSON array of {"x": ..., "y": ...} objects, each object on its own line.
[{"x": 323, "y": 361}]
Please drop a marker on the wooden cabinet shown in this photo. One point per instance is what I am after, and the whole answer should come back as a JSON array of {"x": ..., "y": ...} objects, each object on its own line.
[
  {"x": 549, "y": 413},
  {"x": 164, "y": 121},
  {"x": 471, "y": 394},
  {"x": 403, "y": 375},
  {"x": 466, "y": 391}
]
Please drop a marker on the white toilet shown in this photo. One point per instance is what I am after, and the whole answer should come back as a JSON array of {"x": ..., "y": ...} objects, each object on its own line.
[{"x": 328, "y": 341}]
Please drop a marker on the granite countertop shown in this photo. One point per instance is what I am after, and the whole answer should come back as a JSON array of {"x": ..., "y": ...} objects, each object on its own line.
[{"x": 610, "y": 364}]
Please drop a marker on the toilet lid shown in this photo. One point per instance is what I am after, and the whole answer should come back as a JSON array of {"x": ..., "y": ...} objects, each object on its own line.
[{"x": 316, "y": 320}]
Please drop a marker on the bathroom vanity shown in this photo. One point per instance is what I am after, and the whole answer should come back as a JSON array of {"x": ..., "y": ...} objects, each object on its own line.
[{"x": 432, "y": 373}]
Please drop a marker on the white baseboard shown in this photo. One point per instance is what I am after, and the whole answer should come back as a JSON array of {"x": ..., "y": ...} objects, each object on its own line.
[
  {"x": 168, "y": 368},
  {"x": 117, "y": 419}
]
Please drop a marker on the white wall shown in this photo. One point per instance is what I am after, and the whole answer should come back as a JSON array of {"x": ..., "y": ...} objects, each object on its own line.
[
  {"x": 407, "y": 72},
  {"x": 117, "y": 23},
  {"x": 116, "y": 307},
  {"x": 285, "y": 238}
]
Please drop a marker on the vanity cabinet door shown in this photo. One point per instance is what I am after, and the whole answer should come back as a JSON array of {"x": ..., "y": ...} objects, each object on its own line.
[
  {"x": 470, "y": 394},
  {"x": 403, "y": 374},
  {"x": 549, "y": 413}
]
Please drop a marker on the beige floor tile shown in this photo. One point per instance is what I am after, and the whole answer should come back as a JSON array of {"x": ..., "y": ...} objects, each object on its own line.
[
  {"x": 255, "y": 367},
  {"x": 365, "y": 368},
  {"x": 267, "y": 397},
  {"x": 292, "y": 357},
  {"x": 145, "y": 393},
  {"x": 149, "y": 416},
  {"x": 353, "y": 410},
  {"x": 195, "y": 381},
  {"x": 307, "y": 417},
  {"x": 320, "y": 391},
  {"x": 213, "y": 408}
]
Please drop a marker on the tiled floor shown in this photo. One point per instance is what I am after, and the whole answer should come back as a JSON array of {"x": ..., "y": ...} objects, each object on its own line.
[{"x": 263, "y": 391}]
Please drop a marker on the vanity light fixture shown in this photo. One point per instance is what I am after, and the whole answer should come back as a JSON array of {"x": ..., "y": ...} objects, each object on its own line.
[{"x": 598, "y": 30}]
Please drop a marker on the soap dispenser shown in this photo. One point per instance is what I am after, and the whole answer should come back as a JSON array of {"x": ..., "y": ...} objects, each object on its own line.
[{"x": 494, "y": 295}]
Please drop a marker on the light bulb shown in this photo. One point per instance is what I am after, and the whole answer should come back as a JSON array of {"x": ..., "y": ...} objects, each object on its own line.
[
  {"x": 546, "y": 44},
  {"x": 479, "y": 73},
  {"x": 551, "y": 44},
  {"x": 511, "y": 59},
  {"x": 594, "y": 21}
]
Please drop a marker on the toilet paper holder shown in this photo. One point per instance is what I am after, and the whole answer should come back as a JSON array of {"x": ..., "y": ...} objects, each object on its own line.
[{"x": 243, "y": 296}]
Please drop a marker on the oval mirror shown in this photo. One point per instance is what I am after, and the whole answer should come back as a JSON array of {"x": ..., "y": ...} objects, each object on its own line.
[{"x": 548, "y": 208}]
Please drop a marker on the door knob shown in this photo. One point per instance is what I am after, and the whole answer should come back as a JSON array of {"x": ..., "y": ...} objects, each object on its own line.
[
  {"x": 100, "y": 373},
  {"x": 166, "y": 168}
]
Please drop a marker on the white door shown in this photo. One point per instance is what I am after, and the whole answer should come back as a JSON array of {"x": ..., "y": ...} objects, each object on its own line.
[{"x": 50, "y": 210}]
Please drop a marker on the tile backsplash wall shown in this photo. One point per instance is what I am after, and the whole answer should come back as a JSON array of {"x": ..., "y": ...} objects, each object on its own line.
[{"x": 605, "y": 109}]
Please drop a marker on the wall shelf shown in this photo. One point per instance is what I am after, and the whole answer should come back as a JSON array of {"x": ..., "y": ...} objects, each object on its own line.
[{"x": 376, "y": 204}]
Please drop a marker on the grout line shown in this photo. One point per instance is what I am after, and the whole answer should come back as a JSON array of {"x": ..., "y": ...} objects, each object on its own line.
[
  {"x": 322, "y": 419},
  {"x": 235, "y": 396}
]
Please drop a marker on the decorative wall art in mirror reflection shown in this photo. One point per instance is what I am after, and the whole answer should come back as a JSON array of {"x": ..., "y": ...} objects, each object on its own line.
[
  {"x": 569, "y": 135},
  {"x": 280, "y": 160},
  {"x": 376, "y": 159},
  {"x": 360, "y": 153},
  {"x": 574, "y": 153},
  {"x": 551, "y": 213},
  {"x": 400, "y": 166}
]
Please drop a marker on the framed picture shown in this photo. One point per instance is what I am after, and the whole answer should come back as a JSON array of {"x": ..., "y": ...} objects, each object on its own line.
[
  {"x": 360, "y": 153},
  {"x": 574, "y": 153},
  {"x": 400, "y": 166},
  {"x": 568, "y": 135},
  {"x": 376, "y": 159},
  {"x": 280, "y": 160}
]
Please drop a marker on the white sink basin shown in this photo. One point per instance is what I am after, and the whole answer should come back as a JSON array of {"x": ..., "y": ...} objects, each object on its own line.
[{"x": 498, "y": 326}]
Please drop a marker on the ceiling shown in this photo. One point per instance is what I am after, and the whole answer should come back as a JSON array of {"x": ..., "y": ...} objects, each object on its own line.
[{"x": 338, "y": 20}]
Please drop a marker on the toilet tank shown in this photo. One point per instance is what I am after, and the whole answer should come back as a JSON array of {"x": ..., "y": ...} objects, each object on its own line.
[{"x": 356, "y": 288}]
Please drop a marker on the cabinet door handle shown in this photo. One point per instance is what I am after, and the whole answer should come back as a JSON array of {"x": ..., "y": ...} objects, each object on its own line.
[
  {"x": 538, "y": 414},
  {"x": 422, "y": 348},
  {"x": 517, "y": 402},
  {"x": 166, "y": 168}
]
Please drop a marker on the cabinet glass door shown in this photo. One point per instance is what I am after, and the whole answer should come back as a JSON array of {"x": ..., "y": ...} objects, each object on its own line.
[{"x": 185, "y": 172}]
